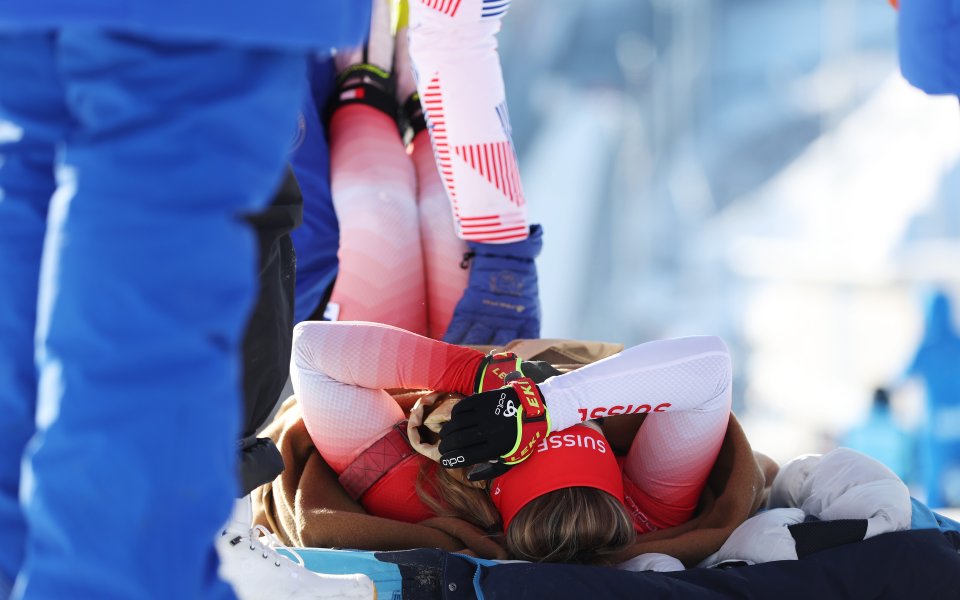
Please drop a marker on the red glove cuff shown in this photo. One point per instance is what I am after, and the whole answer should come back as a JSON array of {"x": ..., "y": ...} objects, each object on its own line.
[
  {"x": 533, "y": 422},
  {"x": 494, "y": 369}
]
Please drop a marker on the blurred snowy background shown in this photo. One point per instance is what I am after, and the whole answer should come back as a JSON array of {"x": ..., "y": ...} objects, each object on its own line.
[{"x": 756, "y": 170}]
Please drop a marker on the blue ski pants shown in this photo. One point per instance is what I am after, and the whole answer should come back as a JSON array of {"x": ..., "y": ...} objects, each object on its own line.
[{"x": 127, "y": 273}]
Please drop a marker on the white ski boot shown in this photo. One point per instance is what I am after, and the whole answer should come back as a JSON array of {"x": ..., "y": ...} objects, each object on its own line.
[{"x": 249, "y": 561}]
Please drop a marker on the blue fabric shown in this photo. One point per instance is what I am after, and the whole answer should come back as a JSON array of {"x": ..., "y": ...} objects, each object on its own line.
[
  {"x": 924, "y": 518},
  {"x": 935, "y": 363},
  {"x": 317, "y": 239},
  {"x": 502, "y": 299},
  {"x": 929, "y": 44},
  {"x": 146, "y": 278},
  {"x": 921, "y": 516},
  {"x": 386, "y": 576},
  {"x": 26, "y": 184},
  {"x": 321, "y": 24}
]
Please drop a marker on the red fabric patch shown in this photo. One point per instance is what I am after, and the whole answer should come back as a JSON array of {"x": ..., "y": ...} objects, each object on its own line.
[
  {"x": 394, "y": 496},
  {"x": 374, "y": 462}
]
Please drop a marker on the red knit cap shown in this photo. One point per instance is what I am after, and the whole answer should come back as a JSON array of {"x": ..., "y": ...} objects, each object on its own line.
[{"x": 574, "y": 457}]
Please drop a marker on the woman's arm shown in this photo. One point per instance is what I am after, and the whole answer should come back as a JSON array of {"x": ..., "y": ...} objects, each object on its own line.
[
  {"x": 683, "y": 374},
  {"x": 734, "y": 491},
  {"x": 377, "y": 356},
  {"x": 669, "y": 459},
  {"x": 454, "y": 50},
  {"x": 339, "y": 372}
]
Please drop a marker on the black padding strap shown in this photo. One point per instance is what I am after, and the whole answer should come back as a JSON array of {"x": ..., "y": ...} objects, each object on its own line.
[
  {"x": 364, "y": 84},
  {"x": 814, "y": 535},
  {"x": 413, "y": 115}
]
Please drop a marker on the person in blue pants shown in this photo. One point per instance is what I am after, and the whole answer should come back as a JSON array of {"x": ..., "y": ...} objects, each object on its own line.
[{"x": 135, "y": 135}]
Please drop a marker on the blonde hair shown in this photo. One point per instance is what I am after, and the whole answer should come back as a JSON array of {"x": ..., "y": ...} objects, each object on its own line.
[
  {"x": 571, "y": 525},
  {"x": 451, "y": 494}
]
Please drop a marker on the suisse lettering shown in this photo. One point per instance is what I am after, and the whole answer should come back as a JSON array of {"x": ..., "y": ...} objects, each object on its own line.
[
  {"x": 570, "y": 440},
  {"x": 602, "y": 411}
]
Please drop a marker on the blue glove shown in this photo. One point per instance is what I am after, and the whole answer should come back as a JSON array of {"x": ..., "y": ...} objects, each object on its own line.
[{"x": 502, "y": 301}]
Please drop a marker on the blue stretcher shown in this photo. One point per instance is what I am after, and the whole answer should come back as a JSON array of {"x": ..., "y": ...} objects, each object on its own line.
[{"x": 923, "y": 562}]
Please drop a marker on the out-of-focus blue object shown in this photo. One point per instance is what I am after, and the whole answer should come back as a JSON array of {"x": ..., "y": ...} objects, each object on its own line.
[
  {"x": 164, "y": 124},
  {"x": 882, "y": 438},
  {"x": 937, "y": 363},
  {"x": 929, "y": 44},
  {"x": 124, "y": 298},
  {"x": 317, "y": 239},
  {"x": 502, "y": 299},
  {"x": 320, "y": 24}
]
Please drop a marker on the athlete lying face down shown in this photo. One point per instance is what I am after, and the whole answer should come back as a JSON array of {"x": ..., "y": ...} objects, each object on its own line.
[{"x": 558, "y": 491}]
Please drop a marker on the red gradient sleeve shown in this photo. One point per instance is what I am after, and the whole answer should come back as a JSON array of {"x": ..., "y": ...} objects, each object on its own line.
[{"x": 340, "y": 369}]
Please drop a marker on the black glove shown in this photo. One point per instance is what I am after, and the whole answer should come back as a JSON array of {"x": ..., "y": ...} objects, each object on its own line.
[
  {"x": 501, "y": 368},
  {"x": 503, "y": 425},
  {"x": 488, "y": 470}
]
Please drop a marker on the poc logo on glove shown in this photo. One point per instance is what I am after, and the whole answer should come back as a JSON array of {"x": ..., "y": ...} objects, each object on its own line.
[{"x": 452, "y": 462}]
